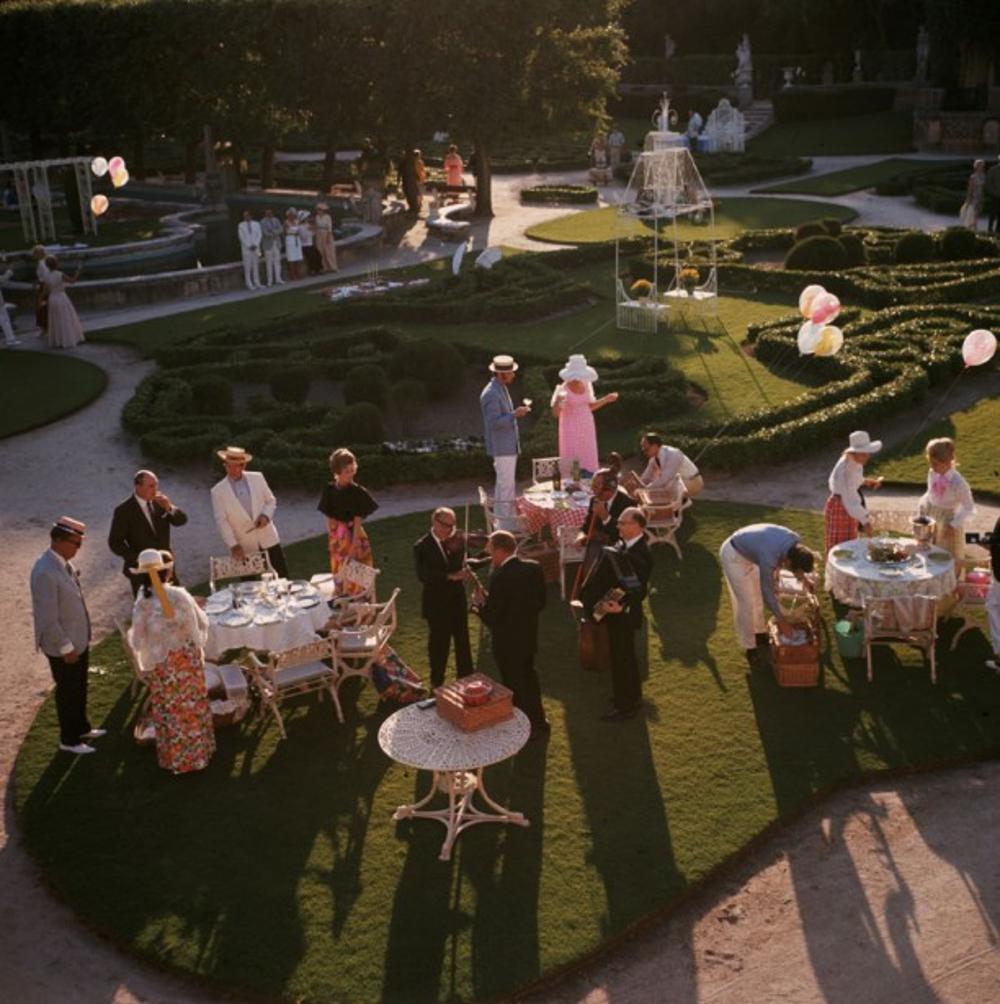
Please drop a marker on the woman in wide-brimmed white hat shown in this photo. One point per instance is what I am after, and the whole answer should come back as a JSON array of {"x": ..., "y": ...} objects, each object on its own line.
[
  {"x": 169, "y": 631},
  {"x": 845, "y": 512},
  {"x": 574, "y": 404}
]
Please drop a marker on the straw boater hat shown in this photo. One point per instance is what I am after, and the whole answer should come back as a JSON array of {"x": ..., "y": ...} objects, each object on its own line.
[
  {"x": 576, "y": 368},
  {"x": 152, "y": 560},
  {"x": 70, "y": 525},
  {"x": 503, "y": 364},
  {"x": 860, "y": 443},
  {"x": 234, "y": 455}
]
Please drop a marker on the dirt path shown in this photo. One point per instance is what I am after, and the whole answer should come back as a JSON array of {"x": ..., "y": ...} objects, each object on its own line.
[{"x": 889, "y": 893}]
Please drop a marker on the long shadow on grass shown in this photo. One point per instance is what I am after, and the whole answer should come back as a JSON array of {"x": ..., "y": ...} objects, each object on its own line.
[{"x": 817, "y": 739}]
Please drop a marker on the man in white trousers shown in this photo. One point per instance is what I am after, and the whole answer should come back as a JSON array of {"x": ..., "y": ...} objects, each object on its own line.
[
  {"x": 751, "y": 559},
  {"x": 502, "y": 441},
  {"x": 249, "y": 234},
  {"x": 9, "y": 338},
  {"x": 272, "y": 237}
]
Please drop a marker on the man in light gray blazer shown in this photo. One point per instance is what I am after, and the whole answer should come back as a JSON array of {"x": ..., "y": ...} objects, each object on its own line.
[
  {"x": 502, "y": 441},
  {"x": 62, "y": 632}
]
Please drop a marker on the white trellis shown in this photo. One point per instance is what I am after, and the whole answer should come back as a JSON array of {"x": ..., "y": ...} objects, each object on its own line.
[
  {"x": 726, "y": 129},
  {"x": 34, "y": 196},
  {"x": 666, "y": 187}
]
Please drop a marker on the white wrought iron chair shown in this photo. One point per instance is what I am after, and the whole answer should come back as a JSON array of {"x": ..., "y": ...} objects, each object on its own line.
[
  {"x": 356, "y": 581},
  {"x": 544, "y": 469},
  {"x": 906, "y": 620},
  {"x": 220, "y": 569},
  {"x": 570, "y": 553},
  {"x": 139, "y": 677},
  {"x": 892, "y": 521},
  {"x": 295, "y": 671},
  {"x": 664, "y": 512},
  {"x": 972, "y": 593},
  {"x": 355, "y": 649},
  {"x": 519, "y": 525},
  {"x": 637, "y": 315}
]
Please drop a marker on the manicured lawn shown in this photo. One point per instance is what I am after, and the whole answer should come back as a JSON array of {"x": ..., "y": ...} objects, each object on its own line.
[
  {"x": 278, "y": 871},
  {"x": 37, "y": 388},
  {"x": 732, "y": 217},
  {"x": 852, "y": 179},
  {"x": 977, "y": 446},
  {"x": 881, "y": 132}
]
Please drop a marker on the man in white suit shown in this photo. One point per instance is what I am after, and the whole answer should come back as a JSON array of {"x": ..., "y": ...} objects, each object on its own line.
[
  {"x": 249, "y": 234},
  {"x": 62, "y": 632},
  {"x": 244, "y": 506}
]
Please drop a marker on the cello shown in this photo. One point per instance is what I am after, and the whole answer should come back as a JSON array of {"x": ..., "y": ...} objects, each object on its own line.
[{"x": 594, "y": 643}]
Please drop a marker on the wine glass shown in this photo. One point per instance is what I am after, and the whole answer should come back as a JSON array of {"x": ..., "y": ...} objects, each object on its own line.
[{"x": 526, "y": 402}]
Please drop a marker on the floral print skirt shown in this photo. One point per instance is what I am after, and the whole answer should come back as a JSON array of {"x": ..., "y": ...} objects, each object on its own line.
[
  {"x": 180, "y": 712},
  {"x": 340, "y": 540}
]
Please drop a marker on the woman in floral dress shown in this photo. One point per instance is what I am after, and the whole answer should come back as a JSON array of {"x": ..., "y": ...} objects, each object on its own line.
[
  {"x": 168, "y": 634},
  {"x": 573, "y": 404},
  {"x": 345, "y": 504}
]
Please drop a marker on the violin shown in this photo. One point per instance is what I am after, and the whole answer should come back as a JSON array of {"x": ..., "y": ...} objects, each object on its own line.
[{"x": 464, "y": 543}]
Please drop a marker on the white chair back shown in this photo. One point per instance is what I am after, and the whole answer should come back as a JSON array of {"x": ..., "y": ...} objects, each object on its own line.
[
  {"x": 357, "y": 580},
  {"x": 909, "y": 620},
  {"x": 220, "y": 569},
  {"x": 544, "y": 469}
]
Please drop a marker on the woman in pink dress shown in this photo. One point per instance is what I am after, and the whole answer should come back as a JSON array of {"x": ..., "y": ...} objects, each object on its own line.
[
  {"x": 64, "y": 328},
  {"x": 574, "y": 404},
  {"x": 453, "y": 166}
]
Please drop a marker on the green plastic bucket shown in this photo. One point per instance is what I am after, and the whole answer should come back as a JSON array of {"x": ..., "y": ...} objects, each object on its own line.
[{"x": 850, "y": 639}]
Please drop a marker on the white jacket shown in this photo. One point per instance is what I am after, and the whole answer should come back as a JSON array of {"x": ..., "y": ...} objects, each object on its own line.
[
  {"x": 249, "y": 233},
  {"x": 235, "y": 526}
]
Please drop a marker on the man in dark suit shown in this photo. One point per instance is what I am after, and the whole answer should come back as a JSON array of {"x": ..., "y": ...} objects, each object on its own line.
[
  {"x": 510, "y": 608},
  {"x": 142, "y": 521},
  {"x": 606, "y": 505},
  {"x": 625, "y": 618},
  {"x": 438, "y": 555}
]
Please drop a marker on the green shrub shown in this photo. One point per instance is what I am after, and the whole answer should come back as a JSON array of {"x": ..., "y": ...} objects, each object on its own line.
[
  {"x": 939, "y": 199},
  {"x": 559, "y": 195},
  {"x": 794, "y": 105},
  {"x": 854, "y": 248},
  {"x": 291, "y": 386},
  {"x": 361, "y": 351},
  {"x": 958, "y": 244},
  {"x": 174, "y": 398},
  {"x": 832, "y": 226},
  {"x": 438, "y": 365},
  {"x": 180, "y": 444},
  {"x": 914, "y": 248},
  {"x": 817, "y": 254},
  {"x": 213, "y": 395},
  {"x": 811, "y": 229},
  {"x": 408, "y": 397},
  {"x": 360, "y": 423},
  {"x": 366, "y": 383}
]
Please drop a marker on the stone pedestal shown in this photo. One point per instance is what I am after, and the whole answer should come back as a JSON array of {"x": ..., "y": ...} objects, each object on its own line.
[{"x": 744, "y": 94}]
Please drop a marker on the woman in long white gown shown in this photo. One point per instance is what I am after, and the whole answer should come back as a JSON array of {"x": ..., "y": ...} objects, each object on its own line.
[{"x": 64, "y": 329}]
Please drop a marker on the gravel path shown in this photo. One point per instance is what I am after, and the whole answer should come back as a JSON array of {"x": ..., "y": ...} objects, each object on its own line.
[{"x": 890, "y": 887}]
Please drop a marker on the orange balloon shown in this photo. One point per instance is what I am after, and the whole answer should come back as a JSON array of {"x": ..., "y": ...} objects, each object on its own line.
[{"x": 99, "y": 205}]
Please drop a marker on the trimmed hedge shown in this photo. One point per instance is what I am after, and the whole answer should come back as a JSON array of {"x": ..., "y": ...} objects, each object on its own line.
[
  {"x": 915, "y": 248},
  {"x": 573, "y": 195},
  {"x": 819, "y": 253},
  {"x": 803, "y": 105}
]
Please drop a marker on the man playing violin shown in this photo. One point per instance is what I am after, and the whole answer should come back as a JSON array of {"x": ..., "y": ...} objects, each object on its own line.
[
  {"x": 441, "y": 557},
  {"x": 607, "y": 504}
]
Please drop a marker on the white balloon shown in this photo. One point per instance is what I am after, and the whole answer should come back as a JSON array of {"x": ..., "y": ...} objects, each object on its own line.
[
  {"x": 806, "y": 298},
  {"x": 99, "y": 166},
  {"x": 809, "y": 336}
]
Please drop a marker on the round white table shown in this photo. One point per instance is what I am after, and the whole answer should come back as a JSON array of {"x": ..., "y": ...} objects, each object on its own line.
[
  {"x": 419, "y": 737},
  {"x": 265, "y": 625},
  {"x": 850, "y": 576}
]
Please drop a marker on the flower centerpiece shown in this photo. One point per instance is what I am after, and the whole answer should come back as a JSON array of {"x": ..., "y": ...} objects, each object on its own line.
[
  {"x": 689, "y": 278},
  {"x": 641, "y": 289}
]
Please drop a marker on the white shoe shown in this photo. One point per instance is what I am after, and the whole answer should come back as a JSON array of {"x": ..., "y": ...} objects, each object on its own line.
[
  {"x": 94, "y": 734},
  {"x": 79, "y": 748},
  {"x": 993, "y": 664}
]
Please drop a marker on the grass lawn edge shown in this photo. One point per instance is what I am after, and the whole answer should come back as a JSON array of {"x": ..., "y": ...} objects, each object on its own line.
[{"x": 60, "y": 412}]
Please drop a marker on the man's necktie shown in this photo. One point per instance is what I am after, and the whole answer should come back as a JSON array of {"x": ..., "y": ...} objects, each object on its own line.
[{"x": 149, "y": 512}]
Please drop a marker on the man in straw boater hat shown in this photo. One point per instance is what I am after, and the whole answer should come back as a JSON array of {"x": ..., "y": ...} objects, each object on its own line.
[
  {"x": 503, "y": 443},
  {"x": 243, "y": 506},
  {"x": 62, "y": 631}
]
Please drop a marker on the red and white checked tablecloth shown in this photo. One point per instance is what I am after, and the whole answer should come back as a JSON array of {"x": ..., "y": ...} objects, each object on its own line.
[{"x": 540, "y": 509}]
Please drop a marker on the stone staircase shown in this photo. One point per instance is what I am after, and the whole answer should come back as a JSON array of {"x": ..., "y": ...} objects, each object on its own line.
[{"x": 758, "y": 117}]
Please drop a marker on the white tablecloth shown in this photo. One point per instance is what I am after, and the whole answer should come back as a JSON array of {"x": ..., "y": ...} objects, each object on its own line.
[
  {"x": 295, "y": 625},
  {"x": 850, "y": 576}
]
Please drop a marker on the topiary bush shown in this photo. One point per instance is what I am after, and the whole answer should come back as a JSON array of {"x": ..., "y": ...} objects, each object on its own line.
[
  {"x": 408, "y": 397},
  {"x": 559, "y": 195},
  {"x": 438, "y": 365},
  {"x": 832, "y": 226},
  {"x": 958, "y": 244},
  {"x": 810, "y": 229},
  {"x": 914, "y": 248},
  {"x": 360, "y": 423},
  {"x": 817, "y": 254},
  {"x": 291, "y": 386},
  {"x": 854, "y": 248},
  {"x": 366, "y": 383},
  {"x": 213, "y": 395}
]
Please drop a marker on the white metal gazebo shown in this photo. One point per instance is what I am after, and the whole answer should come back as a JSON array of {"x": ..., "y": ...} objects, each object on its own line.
[
  {"x": 34, "y": 196},
  {"x": 666, "y": 187}
]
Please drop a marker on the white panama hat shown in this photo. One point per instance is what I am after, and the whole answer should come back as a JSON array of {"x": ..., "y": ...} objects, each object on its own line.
[
  {"x": 576, "y": 368},
  {"x": 234, "y": 455},
  {"x": 503, "y": 364},
  {"x": 152, "y": 560},
  {"x": 860, "y": 443}
]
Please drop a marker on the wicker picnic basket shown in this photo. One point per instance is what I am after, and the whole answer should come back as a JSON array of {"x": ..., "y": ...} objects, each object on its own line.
[
  {"x": 498, "y": 707},
  {"x": 795, "y": 665}
]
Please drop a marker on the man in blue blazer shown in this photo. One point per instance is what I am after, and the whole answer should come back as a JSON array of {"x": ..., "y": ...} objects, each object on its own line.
[
  {"x": 62, "y": 632},
  {"x": 502, "y": 441}
]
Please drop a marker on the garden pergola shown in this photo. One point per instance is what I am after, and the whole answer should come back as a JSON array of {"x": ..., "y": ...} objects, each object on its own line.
[{"x": 34, "y": 195}]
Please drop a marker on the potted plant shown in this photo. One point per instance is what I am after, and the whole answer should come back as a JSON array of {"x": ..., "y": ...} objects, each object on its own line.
[
  {"x": 641, "y": 289},
  {"x": 689, "y": 279}
]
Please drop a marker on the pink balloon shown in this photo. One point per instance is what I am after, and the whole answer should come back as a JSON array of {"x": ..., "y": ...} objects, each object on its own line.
[
  {"x": 116, "y": 164},
  {"x": 979, "y": 347},
  {"x": 825, "y": 308},
  {"x": 806, "y": 299}
]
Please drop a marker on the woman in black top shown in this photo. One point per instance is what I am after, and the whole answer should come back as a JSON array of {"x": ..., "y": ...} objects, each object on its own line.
[{"x": 345, "y": 504}]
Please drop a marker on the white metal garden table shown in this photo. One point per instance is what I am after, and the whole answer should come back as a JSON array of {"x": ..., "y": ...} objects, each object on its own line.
[
  {"x": 419, "y": 737},
  {"x": 850, "y": 576}
]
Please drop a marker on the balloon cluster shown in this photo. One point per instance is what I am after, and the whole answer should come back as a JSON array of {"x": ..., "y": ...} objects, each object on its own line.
[
  {"x": 979, "y": 347},
  {"x": 817, "y": 336},
  {"x": 119, "y": 178}
]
